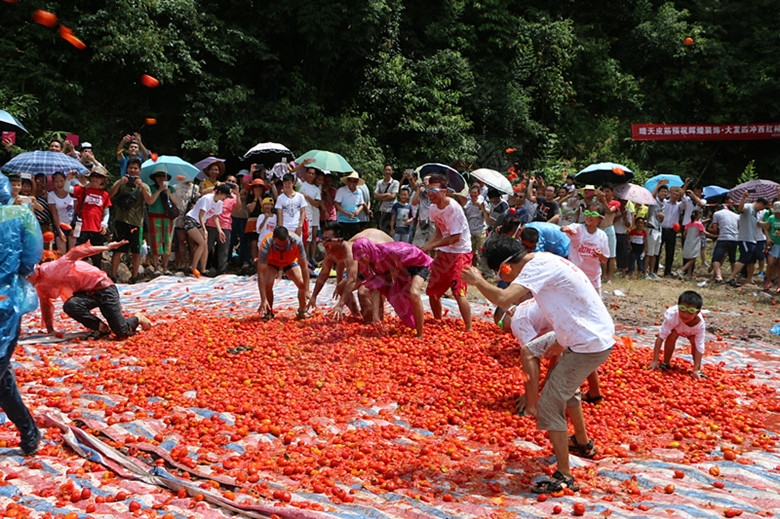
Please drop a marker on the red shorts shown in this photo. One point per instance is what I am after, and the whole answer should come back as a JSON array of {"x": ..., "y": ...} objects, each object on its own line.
[{"x": 445, "y": 274}]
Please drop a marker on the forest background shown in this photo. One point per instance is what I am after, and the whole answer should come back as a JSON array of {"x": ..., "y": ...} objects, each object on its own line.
[{"x": 405, "y": 82}]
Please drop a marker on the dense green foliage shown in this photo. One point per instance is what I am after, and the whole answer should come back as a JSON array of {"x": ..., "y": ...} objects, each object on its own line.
[{"x": 404, "y": 82}]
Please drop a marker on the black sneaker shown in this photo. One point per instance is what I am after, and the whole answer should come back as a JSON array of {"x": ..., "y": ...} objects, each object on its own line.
[{"x": 30, "y": 445}]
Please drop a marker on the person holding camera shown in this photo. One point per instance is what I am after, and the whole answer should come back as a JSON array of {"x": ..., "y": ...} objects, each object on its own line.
[
  {"x": 385, "y": 192},
  {"x": 135, "y": 150},
  {"x": 129, "y": 196}
]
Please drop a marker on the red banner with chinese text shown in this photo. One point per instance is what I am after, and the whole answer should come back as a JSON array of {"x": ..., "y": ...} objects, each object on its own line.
[{"x": 705, "y": 132}]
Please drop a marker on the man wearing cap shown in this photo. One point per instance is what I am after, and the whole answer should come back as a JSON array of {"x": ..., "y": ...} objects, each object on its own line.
[
  {"x": 91, "y": 207},
  {"x": 88, "y": 155},
  {"x": 350, "y": 203},
  {"x": 135, "y": 150},
  {"x": 129, "y": 196},
  {"x": 386, "y": 192},
  {"x": 452, "y": 243},
  {"x": 285, "y": 251}
]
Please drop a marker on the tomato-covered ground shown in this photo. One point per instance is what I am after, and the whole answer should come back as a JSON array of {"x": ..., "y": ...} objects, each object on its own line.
[{"x": 214, "y": 413}]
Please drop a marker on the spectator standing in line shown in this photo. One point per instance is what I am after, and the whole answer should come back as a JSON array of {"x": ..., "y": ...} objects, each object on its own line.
[
  {"x": 313, "y": 195},
  {"x": 670, "y": 227},
  {"x": 350, "y": 203},
  {"x": 291, "y": 207},
  {"x": 547, "y": 209},
  {"x": 368, "y": 214},
  {"x": 401, "y": 217},
  {"x": 160, "y": 224},
  {"x": 61, "y": 207},
  {"x": 424, "y": 228},
  {"x": 219, "y": 248},
  {"x": 43, "y": 214},
  {"x": 129, "y": 196},
  {"x": 328, "y": 194},
  {"x": 611, "y": 208},
  {"x": 724, "y": 225},
  {"x": 771, "y": 226},
  {"x": 748, "y": 232},
  {"x": 92, "y": 203},
  {"x": 386, "y": 192},
  {"x": 624, "y": 219},
  {"x": 477, "y": 212},
  {"x": 135, "y": 150},
  {"x": 654, "y": 217},
  {"x": 187, "y": 194}
]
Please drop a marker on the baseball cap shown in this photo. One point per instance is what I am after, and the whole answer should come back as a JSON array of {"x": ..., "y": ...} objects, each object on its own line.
[
  {"x": 224, "y": 189},
  {"x": 86, "y": 145}
]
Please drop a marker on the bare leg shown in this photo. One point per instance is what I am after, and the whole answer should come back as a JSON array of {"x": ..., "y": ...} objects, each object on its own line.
[
  {"x": 435, "y": 303},
  {"x": 560, "y": 445},
  {"x": 415, "y": 292},
  {"x": 594, "y": 387},
  {"x": 135, "y": 259},
  {"x": 465, "y": 310},
  {"x": 296, "y": 276},
  {"x": 116, "y": 258},
  {"x": 669, "y": 345},
  {"x": 531, "y": 368}
]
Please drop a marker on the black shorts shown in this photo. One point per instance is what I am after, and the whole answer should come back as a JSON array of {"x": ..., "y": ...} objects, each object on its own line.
[
  {"x": 747, "y": 252},
  {"x": 131, "y": 233},
  {"x": 722, "y": 248},
  {"x": 423, "y": 272}
]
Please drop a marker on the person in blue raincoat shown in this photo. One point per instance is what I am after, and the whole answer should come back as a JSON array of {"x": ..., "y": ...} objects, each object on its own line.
[
  {"x": 545, "y": 237},
  {"x": 21, "y": 248}
]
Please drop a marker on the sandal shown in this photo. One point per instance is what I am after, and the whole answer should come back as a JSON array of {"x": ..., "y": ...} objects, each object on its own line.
[
  {"x": 302, "y": 314},
  {"x": 268, "y": 316},
  {"x": 557, "y": 483},
  {"x": 97, "y": 335},
  {"x": 583, "y": 451},
  {"x": 665, "y": 366}
]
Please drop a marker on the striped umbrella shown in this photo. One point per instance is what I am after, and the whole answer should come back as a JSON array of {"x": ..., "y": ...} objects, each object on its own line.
[
  {"x": 48, "y": 162},
  {"x": 755, "y": 189}
]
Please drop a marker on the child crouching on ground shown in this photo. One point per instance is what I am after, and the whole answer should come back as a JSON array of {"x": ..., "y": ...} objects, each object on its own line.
[{"x": 684, "y": 320}]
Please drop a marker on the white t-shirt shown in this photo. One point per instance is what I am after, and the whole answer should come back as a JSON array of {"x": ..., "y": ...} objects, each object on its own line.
[
  {"x": 728, "y": 225},
  {"x": 671, "y": 213},
  {"x": 748, "y": 224},
  {"x": 673, "y": 323},
  {"x": 529, "y": 322},
  {"x": 567, "y": 298},
  {"x": 450, "y": 221},
  {"x": 265, "y": 226},
  {"x": 64, "y": 206},
  {"x": 688, "y": 206},
  {"x": 312, "y": 213},
  {"x": 205, "y": 203},
  {"x": 583, "y": 245},
  {"x": 291, "y": 210}
]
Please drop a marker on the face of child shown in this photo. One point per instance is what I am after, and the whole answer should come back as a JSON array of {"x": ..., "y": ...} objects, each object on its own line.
[
  {"x": 16, "y": 187},
  {"x": 688, "y": 314},
  {"x": 268, "y": 207},
  {"x": 59, "y": 181},
  {"x": 287, "y": 185},
  {"x": 26, "y": 187},
  {"x": 403, "y": 196},
  {"x": 592, "y": 222},
  {"x": 640, "y": 224}
]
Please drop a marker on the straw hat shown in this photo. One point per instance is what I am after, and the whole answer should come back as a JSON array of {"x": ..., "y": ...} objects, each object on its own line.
[{"x": 351, "y": 176}]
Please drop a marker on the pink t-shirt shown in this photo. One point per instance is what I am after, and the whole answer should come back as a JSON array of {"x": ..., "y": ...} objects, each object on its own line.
[
  {"x": 449, "y": 221},
  {"x": 226, "y": 216}
]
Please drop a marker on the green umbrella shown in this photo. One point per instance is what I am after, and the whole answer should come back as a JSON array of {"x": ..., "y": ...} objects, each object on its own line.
[{"x": 326, "y": 160}]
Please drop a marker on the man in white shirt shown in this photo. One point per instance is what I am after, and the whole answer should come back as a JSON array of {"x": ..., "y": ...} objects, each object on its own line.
[
  {"x": 584, "y": 330},
  {"x": 725, "y": 224},
  {"x": 386, "y": 192},
  {"x": 670, "y": 226},
  {"x": 452, "y": 243},
  {"x": 313, "y": 195}
]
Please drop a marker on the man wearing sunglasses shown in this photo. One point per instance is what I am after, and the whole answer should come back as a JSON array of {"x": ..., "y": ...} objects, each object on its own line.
[
  {"x": 452, "y": 243},
  {"x": 584, "y": 330}
]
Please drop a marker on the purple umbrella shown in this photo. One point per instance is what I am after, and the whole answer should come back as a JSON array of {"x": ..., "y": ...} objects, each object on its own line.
[
  {"x": 756, "y": 189},
  {"x": 205, "y": 163}
]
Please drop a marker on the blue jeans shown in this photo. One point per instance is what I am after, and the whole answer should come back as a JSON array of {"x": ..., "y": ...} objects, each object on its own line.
[{"x": 635, "y": 258}]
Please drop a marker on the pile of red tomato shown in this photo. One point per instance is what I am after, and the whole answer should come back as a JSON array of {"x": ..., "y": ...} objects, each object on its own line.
[{"x": 344, "y": 403}]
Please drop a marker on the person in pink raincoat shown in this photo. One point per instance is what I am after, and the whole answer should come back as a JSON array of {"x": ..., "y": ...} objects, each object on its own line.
[{"x": 396, "y": 271}]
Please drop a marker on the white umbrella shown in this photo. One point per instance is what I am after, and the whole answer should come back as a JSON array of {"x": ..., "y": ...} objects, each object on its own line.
[{"x": 493, "y": 179}]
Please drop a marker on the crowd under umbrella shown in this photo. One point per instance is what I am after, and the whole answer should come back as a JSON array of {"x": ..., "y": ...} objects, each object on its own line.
[
  {"x": 326, "y": 161},
  {"x": 755, "y": 189},
  {"x": 712, "y": 192},
  {"x": 604, "y": 173},
  {"x": 455, "y": 180},
  {"x": 268, "y": 154},
  {"x": 47, "y": 162},
  {"x": 672, "y": 181},
  {"x": 180, "y": 170},
  {"x": 634, "y": 193},
  {"x": 492, "y": 178},
  {"x": 9, "y": 123}
]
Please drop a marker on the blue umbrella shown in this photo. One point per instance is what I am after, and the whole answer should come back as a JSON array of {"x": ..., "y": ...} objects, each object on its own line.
[
  {"x": 604, "y": 173},
  {"x": 10, "y": 123},
  {"x": 714, "y": 191},
  {"x": 454, "y": 179},
  {"x": 179, "y": 170},
  {"x": 48, "y": 162},
  {"x": 673, "y": 181}
]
